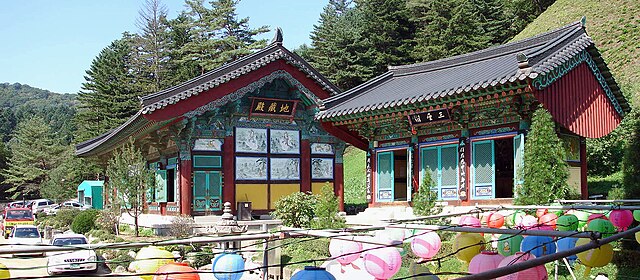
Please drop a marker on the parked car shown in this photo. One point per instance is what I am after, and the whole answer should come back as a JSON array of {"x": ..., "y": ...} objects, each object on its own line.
[
  {"x": 71, "y": 261},
  {"x": 25, "y": 235},
  {"x": 17, "y": 204},
  {"x": 39, "y": 205},
  {"x": 16, "y": 216},
  {"x": 71, "y": 204}
]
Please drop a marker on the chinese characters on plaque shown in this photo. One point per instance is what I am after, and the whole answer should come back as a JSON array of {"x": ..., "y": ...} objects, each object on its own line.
[
  {"x": 429, "y": 117},
  {"x": 273, "y": 107}
]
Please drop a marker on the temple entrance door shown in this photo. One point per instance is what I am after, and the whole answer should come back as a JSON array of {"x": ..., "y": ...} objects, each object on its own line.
[
  {"x": 518, "y": 161},
  {"x": 483, "y": 173},
  {"x": 442, "y": 164},
  {"x": 207, "y": 191},
  {"x": 386, "y": 178}
]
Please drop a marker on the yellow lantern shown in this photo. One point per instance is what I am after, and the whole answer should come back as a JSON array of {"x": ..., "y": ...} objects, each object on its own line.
[
  {"x": 597, "y": 257},
  {"x": 638, "y": 236},
  {"x": 149, "y": 259},
  {"x": 4, "y": 272},
  {"x": 467, "y": 245}
]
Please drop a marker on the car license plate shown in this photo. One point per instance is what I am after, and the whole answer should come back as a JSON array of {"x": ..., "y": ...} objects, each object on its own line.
[{"x": 75, "y": 265}]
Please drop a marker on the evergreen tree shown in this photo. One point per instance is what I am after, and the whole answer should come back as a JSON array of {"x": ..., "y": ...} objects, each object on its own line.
[
  {"x": 631, "y": 160},
  {"x": 217, "y": 35},
  {"x": 153, "y": 46},
  {"x": 129, "y": 179},
  {"x": 35, "y": 151},
  {"x": 545, "y": 170},
  {"x": 181, "y": 69},
  {"x": 108, "y": 97},
  {"x": 64, "y": 178},
  {"x": 4, "y": 157}
]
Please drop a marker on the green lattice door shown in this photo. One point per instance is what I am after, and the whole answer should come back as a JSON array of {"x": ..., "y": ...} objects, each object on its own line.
[
  {"x": 483, "y": 170},
  {"x": 207, "y": 191},
  {"x": 518, "y": 161},
  {"x": 385, "y": 177},
  {"x": 442, "y": 164}
]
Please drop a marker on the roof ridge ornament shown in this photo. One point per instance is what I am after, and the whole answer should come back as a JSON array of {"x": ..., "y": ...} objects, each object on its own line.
[
  {"x": 583, "y": 21},
  {"x": 277, "y": 38},
  {"x": 523, "y": 61}
]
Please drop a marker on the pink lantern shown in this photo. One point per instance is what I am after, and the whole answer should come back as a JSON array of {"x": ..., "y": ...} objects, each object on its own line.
[
  {"x": 621, "y": 219},
  {"x": 541, "y": 212},
  {"x": 538, "y": 272},
  {"x": 345, "y": 251},
  {"x": 426, "y": 245},
  {"x": 469, "y": 221},
  {"x": 596, "y": 216},
  {"x": 528, "y": 222},
  {"x": 548, "y": 219},
  {"x": 486, "y": 260},
  {"x": 382, "y": 263}
]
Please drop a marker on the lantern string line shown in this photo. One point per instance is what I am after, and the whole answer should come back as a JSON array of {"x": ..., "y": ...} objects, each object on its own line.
[{"x": 106, "y": 246}]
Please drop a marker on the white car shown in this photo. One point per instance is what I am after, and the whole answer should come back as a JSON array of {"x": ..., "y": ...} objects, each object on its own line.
[
  {"x": 71, "y": 261},
  {"x": 71, "y": 204},
  {"x": 39, "y": 205},
  {"x": 25, "y": 235}
]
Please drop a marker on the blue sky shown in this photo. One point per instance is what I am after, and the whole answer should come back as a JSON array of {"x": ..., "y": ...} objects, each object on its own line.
[{"x": 49, "y": 44}]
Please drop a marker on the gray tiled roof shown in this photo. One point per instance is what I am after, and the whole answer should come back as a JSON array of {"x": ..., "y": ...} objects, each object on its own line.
[
  {"x": 409, "y": 84},
  {"x": 229, "y": 72}
]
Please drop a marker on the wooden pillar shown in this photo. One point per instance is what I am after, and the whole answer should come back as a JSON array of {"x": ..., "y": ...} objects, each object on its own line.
[
  {"x": 416, "y": 181},
  {"x": 339, "y": 184},
  {"x": 305, "y": 166},
  {"x": 583, "y": 168},
  {"x": 229, "y": 184},
  {"x": 373, "y": 173},
  {"x": 186, "y": 191},
  {"x": 466, "y": 143}
]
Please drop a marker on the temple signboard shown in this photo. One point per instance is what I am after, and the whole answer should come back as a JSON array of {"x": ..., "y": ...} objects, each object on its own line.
[
  {"x": 429, "y": 117},
  {"x": 273, "y": 107}
]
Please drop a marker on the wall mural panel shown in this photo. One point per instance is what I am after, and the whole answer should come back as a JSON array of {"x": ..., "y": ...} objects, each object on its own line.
[
  {"x": 251, "y": 168},
  {"x": 322, "y": 168},
  {"x": 285, "y": 168},
  {"x": 321, "y": 149},
  {"x": 251, "y": 140},
  {"x": 284, "y": 141},
  {"x": 208, "y": 145}
]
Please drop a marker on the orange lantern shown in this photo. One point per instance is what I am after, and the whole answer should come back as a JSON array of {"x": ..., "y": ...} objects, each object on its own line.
[
  {"x": 176, "y": 271},
  {"x": 495, "y": 220},
  {"x": 548, "y": 219}
]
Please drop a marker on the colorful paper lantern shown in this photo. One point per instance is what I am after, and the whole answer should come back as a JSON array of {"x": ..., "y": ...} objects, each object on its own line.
[
  {"x": 582, "y": 216},
  {"x": 382, "y": 263},
  {"x": 566, "y": 243},
  {"x": 484, "y": 261},
  {"x": 568, "y": 222},
  {"x": 4, "y": 272},
  {"x": 426, "y": 245},
  {"x": 597, "y": 257},
  {"x": 538, "y": 272},
  {"x": 548, "y": 219},
  {"x": 596, "y": 216},
  {"x": 469, "y": 221},
  {"x": 176, "y": 271},
  {"x": 390, "y": 236},
  {"x": 345, "y": 251},
  {"x": 621, "y": 219},
  {"x": 602, "y": 226},
  {"x": 353, "y": 271},
  {"x": 495, "y": 220},
  {"x": 515, "y": 218},
  {"x": 467, "y": 245},
  {"x": 528, "y": 222},
  {"x": 228, "y": 266},
  {"x": 149, "y": 259},
  {"x": 538, "y": 245},
  {"x": 541, "y": 212},
  {"x": 636, "y": 215},
  {"x": 509, "y": 244},
  {"x": 638, "y": 237},
  {"x": 313, "y": 273},
  {"x": 420, "y": 272}
]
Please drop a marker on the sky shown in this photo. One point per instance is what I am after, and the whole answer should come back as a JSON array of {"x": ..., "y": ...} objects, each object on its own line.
[{"x": 50, "y": 44}]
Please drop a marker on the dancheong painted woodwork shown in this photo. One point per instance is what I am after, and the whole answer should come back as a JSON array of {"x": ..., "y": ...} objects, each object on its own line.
[{"x": 463, "y": 120}]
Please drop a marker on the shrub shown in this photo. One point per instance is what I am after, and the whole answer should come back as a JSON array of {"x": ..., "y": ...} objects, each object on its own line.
[
  {"x": 181, "y": 226},
  {"x": 295, "y": 210},
  {"x": 85, "y": 221},
  {"x": 64, "y": 218},
  {"x": 631, "y": 160},
  {"x": 108, "y": 220},
  {"x": 424, "y": 201},
  {"x": 543, "y": 151},
  {"x": 326, "y": 210}
]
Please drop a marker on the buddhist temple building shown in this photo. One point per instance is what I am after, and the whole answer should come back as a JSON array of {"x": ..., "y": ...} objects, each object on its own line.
[
  {"x": 244, "y": 132},
  {"x": 464, "y": 119}
]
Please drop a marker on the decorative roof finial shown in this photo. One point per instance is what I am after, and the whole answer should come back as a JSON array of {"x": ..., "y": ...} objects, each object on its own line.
[
  {"x": 277, "y": 38},
  {"x": 583, "y": 20}
]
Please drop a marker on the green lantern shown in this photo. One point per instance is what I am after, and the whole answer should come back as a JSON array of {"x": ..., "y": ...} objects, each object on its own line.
[
  {"x": 511, "y": 221},
  {"x": 582, "y": 216},
  {"x": 558, "y": 212},
  {"x": 636, "y": 215},
  {"x": 602, "y": 226},
  {"x": 567, "y": 222},
  {"x": 509, "y": 244}
]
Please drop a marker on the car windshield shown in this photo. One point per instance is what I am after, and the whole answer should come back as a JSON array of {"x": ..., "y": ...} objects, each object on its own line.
[
  {"x": 69, "y": 241},
  {"x": 19, "y": 214},
  {"x": 26, "y": 233}
]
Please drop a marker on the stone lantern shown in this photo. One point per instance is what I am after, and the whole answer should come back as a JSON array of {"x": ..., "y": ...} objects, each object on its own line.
[{"x": 227, "y": 225}]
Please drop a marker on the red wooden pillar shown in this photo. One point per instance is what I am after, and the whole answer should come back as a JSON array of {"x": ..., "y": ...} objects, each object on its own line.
[
  {"x": 186, "y": 191},
  {"x": 339, "y": 184},
  {"x": 467, "y": 169},
  {"x": 583, "y": 169},
  {"x": 305, "y": 166},
  {"x": 416, "y": 169},
  {"x": 228, "y": 183},
  {"x": 374, "y": 171}
]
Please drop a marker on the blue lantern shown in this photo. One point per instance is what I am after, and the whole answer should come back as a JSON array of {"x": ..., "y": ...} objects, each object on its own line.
[
  {"x": 313, "y": 273},
  {"x": 538, "y": 245},
  {"x": 228, "y": 266},
  {"x": 567, "y": 243}
]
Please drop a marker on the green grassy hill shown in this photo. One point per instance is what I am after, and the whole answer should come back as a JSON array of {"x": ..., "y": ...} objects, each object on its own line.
[{"x": 615, "y": 27}]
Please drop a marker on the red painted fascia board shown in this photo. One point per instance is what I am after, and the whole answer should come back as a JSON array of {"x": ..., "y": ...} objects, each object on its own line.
[{"x": 345, "y": 136}]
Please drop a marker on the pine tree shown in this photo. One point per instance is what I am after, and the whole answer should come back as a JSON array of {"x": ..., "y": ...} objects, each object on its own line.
[
  {"x": 153, "y": 45},
  {"x": 35, "y": 151},
  {"x": 631, "y": 160},
  {"x": 108, "y": 97},
  {"x": 545, "y": 170},
  {"x": 181, "y": 69}
]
